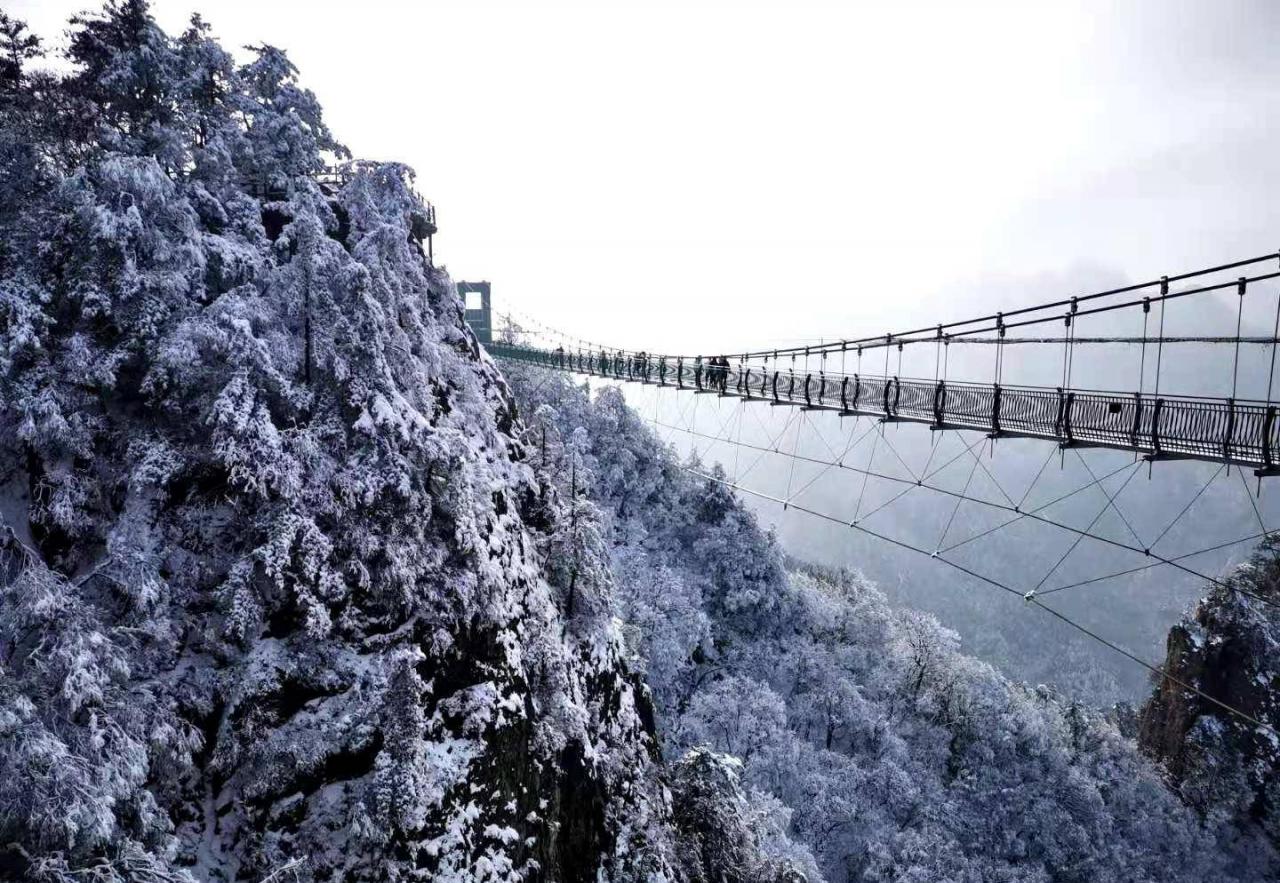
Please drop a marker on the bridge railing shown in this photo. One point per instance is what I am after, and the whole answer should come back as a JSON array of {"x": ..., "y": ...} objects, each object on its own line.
[{"x": 1166, "y": 426}]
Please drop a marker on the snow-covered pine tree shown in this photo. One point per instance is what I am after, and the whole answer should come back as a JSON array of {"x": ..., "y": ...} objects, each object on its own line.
[
  {"x": 864, "y": 733},
  {"x": 273, "y": 588}
]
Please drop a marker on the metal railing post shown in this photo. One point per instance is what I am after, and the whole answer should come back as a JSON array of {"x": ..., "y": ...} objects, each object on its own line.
[
  {"x": 1267, "y": 424},
  {"x": 1229, "y": 437},
  {"x": 1155, "y": 427},
  {"x": 995, "y": 409},
  {"x": 1137, "y": 419}
]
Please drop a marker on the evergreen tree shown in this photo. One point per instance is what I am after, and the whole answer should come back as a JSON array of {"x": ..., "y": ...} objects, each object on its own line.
[
  {"x": 272, "y": 587},
  {"x": 17, "y": 47},
  {"x": 884, "y": 751}
]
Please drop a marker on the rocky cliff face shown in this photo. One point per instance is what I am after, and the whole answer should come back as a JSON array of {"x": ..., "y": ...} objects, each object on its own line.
[
  {"x": 1229, "y": 648},
  {"x": 285, "y": 621},
  {"x": 280, "y": 595}
]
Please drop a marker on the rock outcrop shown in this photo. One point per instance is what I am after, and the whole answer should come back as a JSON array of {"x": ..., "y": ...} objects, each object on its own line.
[{"x": 1228, "y": 648}]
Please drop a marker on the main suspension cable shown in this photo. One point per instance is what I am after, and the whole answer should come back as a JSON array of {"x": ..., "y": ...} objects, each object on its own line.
[
  {"x": 1003, "y": 587},
  {"x": 1033, "y": 515}
]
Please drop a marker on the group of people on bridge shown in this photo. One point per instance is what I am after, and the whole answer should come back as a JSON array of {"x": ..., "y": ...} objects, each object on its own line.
[
  {"x": 711, "y": 374},
  {"x": 715, "y": 374}
]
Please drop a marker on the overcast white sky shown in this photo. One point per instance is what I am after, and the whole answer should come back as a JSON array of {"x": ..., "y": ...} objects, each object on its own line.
[{"x": 655, "y": 174}]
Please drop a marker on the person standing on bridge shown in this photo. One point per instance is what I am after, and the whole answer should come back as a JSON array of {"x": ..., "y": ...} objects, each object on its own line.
[
  {"x": 560, "y": 357},
  {"x": 697, "y": 372}
]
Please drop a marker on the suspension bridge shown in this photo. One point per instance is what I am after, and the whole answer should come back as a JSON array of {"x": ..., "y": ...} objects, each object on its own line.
[
  {"x": 1155, "y": 424},
  {"x": 1153, "y": 419}
]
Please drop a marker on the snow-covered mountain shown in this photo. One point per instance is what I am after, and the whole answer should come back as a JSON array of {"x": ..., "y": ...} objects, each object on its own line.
[
  {"x": 281, "y": 594},
  {"x": 868, "y": 739},
  {"x": 295, "y": 586}
]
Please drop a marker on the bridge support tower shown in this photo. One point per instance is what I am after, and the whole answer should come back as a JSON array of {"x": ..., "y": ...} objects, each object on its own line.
[{"x": 478, "y": 309}]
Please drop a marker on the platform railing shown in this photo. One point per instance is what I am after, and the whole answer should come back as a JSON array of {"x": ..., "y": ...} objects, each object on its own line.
[{"x": 1158, "y": 427}]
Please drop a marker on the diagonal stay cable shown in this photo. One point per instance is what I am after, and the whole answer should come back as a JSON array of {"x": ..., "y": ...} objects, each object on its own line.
[
  {"x": 992, "y": 478},
  {"x": 822, "y": 436},
  {"x": 1168, "y": 527},
  {"x": 960, "y": 499},
  {"x": 657, "y": 402},
  {"x": 763, "y": 427},
  {"x": 893, "y": 450},
  {"x": 722, "y": 435},
  {"x": 1016, "y": 508},
  {"x": 964, "y": 449},
  {"x": 683, "y": 422},
  {"x": 774, "y": 442},
  {"x": 737, "y": 448},
  {"x": 919, "y": 482},
  {"x": 1035, "y": 480},
  {"x": 1080, "y": 537},
  {"x": 933, "y": 450},
  {"x": 1252, "y": 502},
  {"x": 1032, "y": 515},
  {"x": 1155, "y": 669},
  {"x": 795, "y": 446},
  {"x": 848, "y": 448},
  {"x": 1149, "y": 565},
  {"x": 681, "y": 413},
  {"x": 871, "y": 461},
  {"x": 693, "y": 421},
  {"x": 838, "y": 462},
  {"x": 1006, "y": 588},
  {"x": 772, "y": 447},
  {"x": 1111, "y": 501},
  {"x": 889, "y": 502}
]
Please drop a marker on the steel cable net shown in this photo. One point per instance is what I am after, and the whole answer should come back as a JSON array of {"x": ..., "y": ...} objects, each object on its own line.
[
  {"x": 1085, "y": 517},
  {"x": 1080, "y": 530}
]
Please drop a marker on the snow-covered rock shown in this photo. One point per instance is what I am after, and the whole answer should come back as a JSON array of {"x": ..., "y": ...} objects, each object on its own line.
[{"x": 280, "y": 593}]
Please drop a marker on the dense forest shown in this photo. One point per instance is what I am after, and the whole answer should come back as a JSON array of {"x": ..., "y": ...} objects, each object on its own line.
[
  {"x": 296, "y": 583},
  {"x": 869, "y": 734},
  {"x": 1104, "y": 582},
  {"x": 275, "y": 594}
]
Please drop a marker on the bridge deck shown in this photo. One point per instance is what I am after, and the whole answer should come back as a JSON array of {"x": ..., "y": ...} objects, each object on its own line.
[{"x": 1164, "y": 427}]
